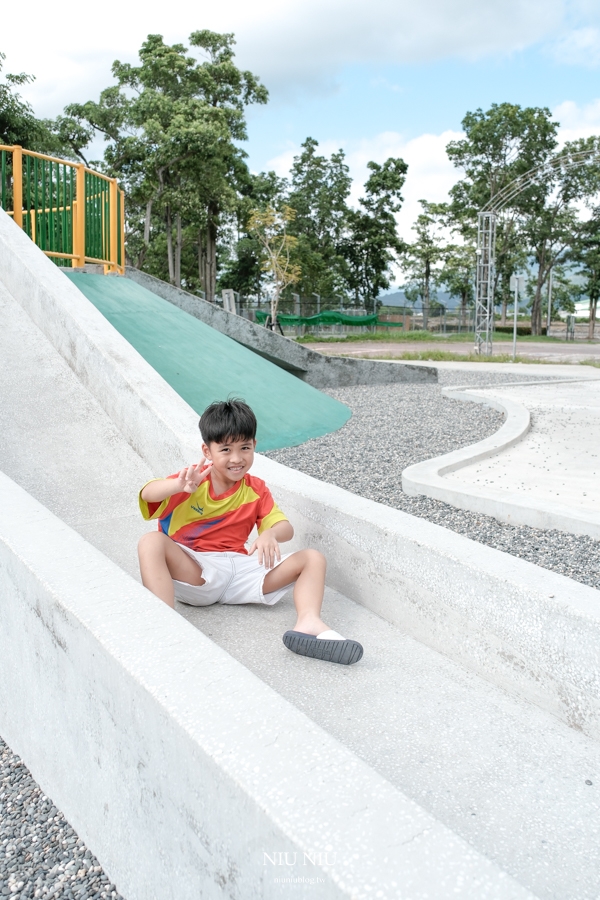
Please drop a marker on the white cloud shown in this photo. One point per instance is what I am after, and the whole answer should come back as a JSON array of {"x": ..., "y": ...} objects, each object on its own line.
[
  {"x": 296, "y": 44},
  {"x": 580, "y": 47},
  {"x": 430, "y": 173},
  {"x": 577, "y": 121}
]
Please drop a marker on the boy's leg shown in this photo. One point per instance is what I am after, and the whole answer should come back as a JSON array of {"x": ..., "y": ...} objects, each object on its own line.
[
  {"x": 307, "y": 569},
  {"x": 161, "y": 561}
]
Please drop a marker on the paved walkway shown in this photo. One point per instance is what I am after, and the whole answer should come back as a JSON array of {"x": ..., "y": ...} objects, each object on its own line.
[
  {"x": 572, "y": 352},
  {"x": 549, "y": 476},
  {"x": 559, "y": 459}
]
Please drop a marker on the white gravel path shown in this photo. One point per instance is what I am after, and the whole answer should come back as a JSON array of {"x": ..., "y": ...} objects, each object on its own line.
[{"x": 394, "y": 426}]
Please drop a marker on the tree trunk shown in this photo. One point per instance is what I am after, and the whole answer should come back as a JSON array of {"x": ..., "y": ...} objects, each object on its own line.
[
  {"x": 178, "y": 243},
  {"x": 592, "y": 323},
  {"x": 503, "y": 315},
  {"x": 211, "y": 252},
  {"x": 536, "y": 306},
  {"x": 426, "y": 296},
  {"x": 147, "y": 222},
  {"x": 170, "y": 245},
  {"x": 463, "y": 311}
]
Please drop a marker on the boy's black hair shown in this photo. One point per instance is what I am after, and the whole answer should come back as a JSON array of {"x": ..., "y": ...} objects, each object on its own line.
[{"x": 225, "y": 421}]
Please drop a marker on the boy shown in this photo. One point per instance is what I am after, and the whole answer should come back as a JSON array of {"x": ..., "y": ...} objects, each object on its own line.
[{"x": 205, "y": 515}]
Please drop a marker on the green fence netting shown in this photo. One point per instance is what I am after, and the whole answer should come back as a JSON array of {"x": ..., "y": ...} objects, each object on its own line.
[{"x": 327, "y": 317}]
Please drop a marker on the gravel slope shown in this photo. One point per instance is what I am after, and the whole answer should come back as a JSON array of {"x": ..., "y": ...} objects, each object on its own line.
[
  {"x": 394, "y": 426},
  {"x": 40, "y": 854}
]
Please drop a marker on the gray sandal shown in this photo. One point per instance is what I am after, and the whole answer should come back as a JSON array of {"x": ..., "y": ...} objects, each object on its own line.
[{"x": 345, "y": 652}]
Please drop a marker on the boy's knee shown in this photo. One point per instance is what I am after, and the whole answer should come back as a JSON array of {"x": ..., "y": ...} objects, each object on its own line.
[
  {"x": 315, "y": 558},
  {"x": 152, "y": 542}
]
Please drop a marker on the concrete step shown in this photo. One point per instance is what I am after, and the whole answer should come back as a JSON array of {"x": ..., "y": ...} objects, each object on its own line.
[{"x": 507, "y": 777}]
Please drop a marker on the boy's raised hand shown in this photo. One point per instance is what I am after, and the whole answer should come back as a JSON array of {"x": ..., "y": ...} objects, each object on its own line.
[
  {"x": 267, "y": 547},
  {"x": 190, "y": 478}
]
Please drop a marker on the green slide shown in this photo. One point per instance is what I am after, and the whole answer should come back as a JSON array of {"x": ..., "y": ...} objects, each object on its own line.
[{"x": 203, "y": 365}]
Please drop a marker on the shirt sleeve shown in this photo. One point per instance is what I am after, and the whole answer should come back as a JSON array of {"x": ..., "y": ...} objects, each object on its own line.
[
  {"x": 159, "y": 510},
  {"x": 268, "y": 512}
]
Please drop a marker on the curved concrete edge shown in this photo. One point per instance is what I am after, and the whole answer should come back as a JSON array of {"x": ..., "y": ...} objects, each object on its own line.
[
  {"x": 315, "y": 368},
  {"x": 427, "y": 478},
  {"x": 186, "y": 774}
]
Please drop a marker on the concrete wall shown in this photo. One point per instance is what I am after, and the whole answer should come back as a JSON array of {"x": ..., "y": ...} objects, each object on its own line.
[
  {"x": 318, "y": 370},
  {"x": 185, "y": 774},
  {"x": 527, "y": 629}
]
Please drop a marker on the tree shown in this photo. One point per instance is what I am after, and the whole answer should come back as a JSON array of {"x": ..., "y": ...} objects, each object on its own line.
[
  {"x": 242, "y": 267},
  {"x": 499, "y": 146},
  {"x": 458, "y": 275},
  {"x": 172, "y": 125},
  {"x": 271, "y": 229},
  {"x": 586, "y": 253},
  {"x": 423, "y": 259},
  {"x": 319, "y": 190},
  {"x": 372, "y": 244}
]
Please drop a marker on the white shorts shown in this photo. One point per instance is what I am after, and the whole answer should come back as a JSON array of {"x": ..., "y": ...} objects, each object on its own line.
[{"x": 230, "y": 578}]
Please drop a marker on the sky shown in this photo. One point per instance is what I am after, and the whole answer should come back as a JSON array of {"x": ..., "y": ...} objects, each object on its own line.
[{"x": 379, "y": 78}]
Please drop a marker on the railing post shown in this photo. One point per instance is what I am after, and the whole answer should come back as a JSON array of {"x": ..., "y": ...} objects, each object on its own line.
[
  {"x": 17, "y": 173},
  {"x": 122, "y": 231},
  {"x": 114, "y": 226},
  {"x": 79, "y": 218}
]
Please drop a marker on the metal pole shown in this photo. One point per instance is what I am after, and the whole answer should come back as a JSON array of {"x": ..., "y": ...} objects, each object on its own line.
[{"x": 515, "y": 319}]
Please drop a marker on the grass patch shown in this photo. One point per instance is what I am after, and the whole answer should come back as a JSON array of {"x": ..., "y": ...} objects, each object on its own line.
[
  {"x": 590, "y": 362},
  {"x": 395, "y": 336},
  {"x": 447, "y": 356}
]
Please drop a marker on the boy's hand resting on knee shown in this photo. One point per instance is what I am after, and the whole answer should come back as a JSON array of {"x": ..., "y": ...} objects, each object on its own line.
[
  {"x": 267, "y": 546},
  {"x": 190, "y": 478}
]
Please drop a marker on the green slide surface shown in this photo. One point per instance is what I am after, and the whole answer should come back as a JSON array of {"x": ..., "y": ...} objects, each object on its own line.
[{"x": 203, "y": 365}]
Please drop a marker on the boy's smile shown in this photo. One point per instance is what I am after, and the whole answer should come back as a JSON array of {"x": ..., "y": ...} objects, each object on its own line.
[{"x": 230, "y": 462}]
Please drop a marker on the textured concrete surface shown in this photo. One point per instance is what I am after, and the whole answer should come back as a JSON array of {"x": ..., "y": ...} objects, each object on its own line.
[
  {"x": 314, "y": 368},
  {"x": 540, "y": 469},
  {"x": 505, "y": 776},
  {"x": 480, "y": 607},
  {"x": 177, "y": 765}
]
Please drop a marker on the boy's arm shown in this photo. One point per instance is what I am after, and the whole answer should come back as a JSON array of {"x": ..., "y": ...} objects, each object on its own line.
[{"x": 187, "y": 481}]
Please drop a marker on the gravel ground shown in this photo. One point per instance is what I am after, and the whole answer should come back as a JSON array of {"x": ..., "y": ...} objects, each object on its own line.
[
  {"x": 40, "y": 854},
  {"x": 394, "y": 426}
]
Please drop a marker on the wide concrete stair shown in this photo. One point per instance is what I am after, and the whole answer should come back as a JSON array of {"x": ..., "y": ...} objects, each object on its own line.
[{"x": 504, "y": 794}]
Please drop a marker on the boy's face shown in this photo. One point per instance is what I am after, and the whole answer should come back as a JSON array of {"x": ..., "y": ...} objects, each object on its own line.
[{"x": 230, "y": 460}]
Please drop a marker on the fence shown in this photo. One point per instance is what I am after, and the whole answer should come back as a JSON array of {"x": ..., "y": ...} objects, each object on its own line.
[
  {"x": 75, "y": 216},
  {"x": 305, "y": 315}
]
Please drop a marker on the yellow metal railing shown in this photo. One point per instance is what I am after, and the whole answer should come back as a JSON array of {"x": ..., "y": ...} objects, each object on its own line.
[{"x": 73, "y": 214}]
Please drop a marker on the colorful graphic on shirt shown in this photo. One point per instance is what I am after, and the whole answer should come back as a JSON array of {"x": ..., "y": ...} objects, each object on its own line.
[{"x": 206, "y": 523}]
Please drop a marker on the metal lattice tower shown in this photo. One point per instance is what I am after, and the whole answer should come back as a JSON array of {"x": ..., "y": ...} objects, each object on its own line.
[
  {"x": 484, "y": 293},
  {"x": 486, "y": 241}
]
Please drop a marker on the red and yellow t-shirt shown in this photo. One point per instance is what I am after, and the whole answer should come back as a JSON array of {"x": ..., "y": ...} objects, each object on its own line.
[{"x": 207, "y": 523}]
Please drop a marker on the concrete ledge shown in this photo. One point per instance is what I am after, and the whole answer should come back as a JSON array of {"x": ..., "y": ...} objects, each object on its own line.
[
  {"x": 186, "y": 774},
  {"x": 526, "y": 629},
  {"x": 427, "y": 478},
  {"x": 315, "y": 368}
]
